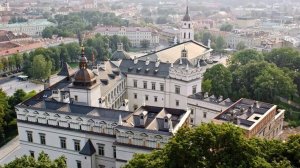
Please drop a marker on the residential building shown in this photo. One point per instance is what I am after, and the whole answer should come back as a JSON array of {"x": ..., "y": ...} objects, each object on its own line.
[
  {"x": 134, "y": 34},
  {"x": 257, "y": 119}
]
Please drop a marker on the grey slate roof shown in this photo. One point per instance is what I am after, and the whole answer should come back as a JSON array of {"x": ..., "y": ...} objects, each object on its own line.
[
  {"x": 119, "y": 55},
  {"x": 88, "y": 149},
  {"x": 128, "y": 67}
]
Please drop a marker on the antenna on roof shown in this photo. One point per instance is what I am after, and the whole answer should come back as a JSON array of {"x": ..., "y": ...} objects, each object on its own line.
[{"x": 120, "y": 120}]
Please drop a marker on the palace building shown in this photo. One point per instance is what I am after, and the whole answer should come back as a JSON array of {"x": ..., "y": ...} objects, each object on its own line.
[{"x": 100, "y": 115}]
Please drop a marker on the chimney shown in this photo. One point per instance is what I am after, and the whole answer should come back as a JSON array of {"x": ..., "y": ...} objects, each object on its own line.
[
  {"x": 172, "y": 65},
  {"x": 256, "y": 104},
  {"x": 143, "y": 116},
  {"x": 120, "y": 120},
  {"x": 147, "y": 61},
  {"x": 206, "y": 95},
  {"x": 209, "y": 43},
  {"x": 167, "y": 120},
  {"x": 238, "y": 120},
  {"x": 157, "y": 63},
  {"x": 220, "y": 98},
  {"x": 120, "y": 46},
  {"x": 198, "y": 64},
  {"x": 135, "y": 60},
  {"x": 187, "y": 67}
]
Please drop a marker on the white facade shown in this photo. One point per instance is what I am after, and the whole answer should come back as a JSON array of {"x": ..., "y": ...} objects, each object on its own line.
[
  {"x": 134, "y": 34},
  {"x": 32, "y": 27}
]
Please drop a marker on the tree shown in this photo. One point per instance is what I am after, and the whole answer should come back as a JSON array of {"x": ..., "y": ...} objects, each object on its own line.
[
  {"x": 245, "y": 56},
  {"x": 284, "y": 57},
  {"x": 47, "y": 32},
  {"x": 226, "y": 27},
  {"x": 273, "y": 82},
  {"x": 18, "y": 60},
  {"x": 221, "y": 80},
  {"x": 145, "y": 44},
  {"x": 210, "y": 145},
  {"x": 17, "y": 97},
  {"x": 64, "y": 55},
  {"x": 40, "y": 69},
  {"x": 241, "y": 46},
  {"x": 4, "y": 62},
  {"x": 42, "y": 161},
  {"x": 220, "y": 43},
  {"x": 206, "y": 86},
  {"x": 73, "y": 51}
]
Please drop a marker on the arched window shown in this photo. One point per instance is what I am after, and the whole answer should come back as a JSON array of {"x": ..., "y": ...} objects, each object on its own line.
[{"x": 184, "y": 35}]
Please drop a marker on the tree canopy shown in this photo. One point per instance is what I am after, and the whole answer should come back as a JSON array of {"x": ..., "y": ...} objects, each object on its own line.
[
  {"x": 43, "y": 161},
  {"x": 210, "y": 145}
]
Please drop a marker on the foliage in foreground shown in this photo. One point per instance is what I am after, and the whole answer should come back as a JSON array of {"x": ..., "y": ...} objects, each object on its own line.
[
  {"x": 221, "y": 146},
  {"x": 43, "y": 161}
]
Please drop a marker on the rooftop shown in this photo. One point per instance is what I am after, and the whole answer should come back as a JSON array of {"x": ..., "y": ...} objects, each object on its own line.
[
  {"x": 173, "y": 53},
  {"x": 245, "y": 113}
]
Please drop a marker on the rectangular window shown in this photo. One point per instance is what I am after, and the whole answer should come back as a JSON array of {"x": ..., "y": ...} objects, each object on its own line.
[
  {"x": 114, "y": 151},
  {"x": 145, "y": 84},
  {"x": 43, "y": 139},
  {"x": 76, "y": 98},
  {"x": 177, "y": 102},
  {"x": 31, "y": 153},
  {"x": 135, "y": 95},
  {"x": 63, "y": 143},
  {"x": 204, "y": 114},
  {"x": 101, "y": 149},
  {"x": 192, "y": 111},
  {"x": 153, "y": 85},
  {"x": 155, "y": 98},
  {"x": 101, "y": 166},
  {"x": 135, "y": 83},
  {"x": 78, "y": 163},
  {"x": 177, "y": 89},
  {"x": 194, "y": 89},
  {"x": 162, "y": 87},
  {"x": 146, "y": 97},
  {"x": 77, "y": 145},
  {"x": 135, "y": 107},
  {"x": 29, "y": 136}
]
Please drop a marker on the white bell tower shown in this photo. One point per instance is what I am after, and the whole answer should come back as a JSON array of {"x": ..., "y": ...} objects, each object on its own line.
[{"x": 187, "y": 28}]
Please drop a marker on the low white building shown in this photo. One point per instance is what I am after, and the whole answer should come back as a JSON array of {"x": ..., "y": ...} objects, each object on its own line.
[
  {"x": 134, "y": 34},
  {"x": 31, "y": 27}
]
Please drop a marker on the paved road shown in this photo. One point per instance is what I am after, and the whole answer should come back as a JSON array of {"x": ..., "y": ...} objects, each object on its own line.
[
  {"x": 10, "y": 151},
  {"x": 12, "y": 85}
]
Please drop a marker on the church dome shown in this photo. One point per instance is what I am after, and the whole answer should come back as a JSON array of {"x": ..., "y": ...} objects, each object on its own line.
[{"x": 84, "y": 76}]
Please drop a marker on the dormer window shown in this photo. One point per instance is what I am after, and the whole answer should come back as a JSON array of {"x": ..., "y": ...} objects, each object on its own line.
[
  {"x": 166, "y": 119},
  {"x": 142, "y": 117}
]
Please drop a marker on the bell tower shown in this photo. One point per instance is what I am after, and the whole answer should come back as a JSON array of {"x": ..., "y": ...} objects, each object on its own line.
[{"x": 187, "y": 28}]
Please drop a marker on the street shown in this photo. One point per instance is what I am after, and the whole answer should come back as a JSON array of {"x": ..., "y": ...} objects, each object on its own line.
[{"x": 10, "y": 151}]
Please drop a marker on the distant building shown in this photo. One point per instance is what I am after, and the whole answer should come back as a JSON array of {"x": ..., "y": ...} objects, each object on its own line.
[
  {"x": 32, "y": 27},
  {"x": 134, "y": 34},
  {"x": 5, "y": 6},
  {"x": 257, "y": 119}
]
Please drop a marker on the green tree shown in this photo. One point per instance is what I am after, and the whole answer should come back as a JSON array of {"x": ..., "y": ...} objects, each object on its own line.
[
  {"x": 47, "y": 32},
  {"x": 145, "y": 44},
  {"x": 73, "y": 51},
  {"x": 210, "y": 145},
  {"x": 245, "y": 56},
  {"x": 221, "y": 80},
  {"x": 220, "y": 43},
  {"x": 284, "y": 57},
  {"x": 40, "y": 69},
  {"x": 226, "y": 27},
  {"x": 42, "y": 161},
  {"x": 17, "y": 97},
  {"x": 273, "y": 82},
  {"x": 4, "y": 62},
  {"x": 206, "y": 86},
  {"x": 241, "y": 46},
  {"x": 18, "y": 60}
]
